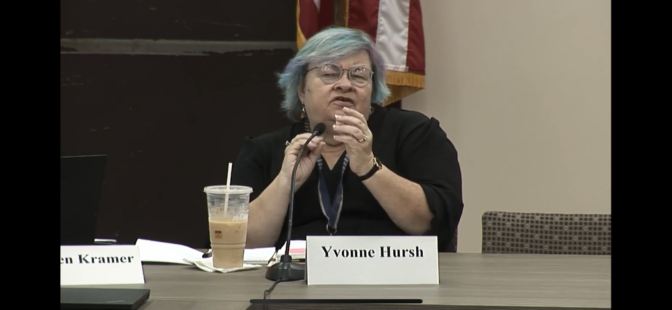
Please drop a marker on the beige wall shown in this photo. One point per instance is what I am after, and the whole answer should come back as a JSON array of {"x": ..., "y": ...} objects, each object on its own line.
[{"x": 522, "y": 87}]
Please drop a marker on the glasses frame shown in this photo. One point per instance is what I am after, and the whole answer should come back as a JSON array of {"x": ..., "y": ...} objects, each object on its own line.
[{"x": 341, "y": 70}]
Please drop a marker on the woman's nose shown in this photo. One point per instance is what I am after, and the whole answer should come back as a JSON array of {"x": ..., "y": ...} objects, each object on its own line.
[{"x": 343, "y": 83}]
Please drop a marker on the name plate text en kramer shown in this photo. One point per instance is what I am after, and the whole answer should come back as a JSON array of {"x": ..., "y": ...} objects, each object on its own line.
[{"x": 101, "y": 264}]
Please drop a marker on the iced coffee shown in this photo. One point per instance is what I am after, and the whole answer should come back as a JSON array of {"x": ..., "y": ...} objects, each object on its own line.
[{"x": 227, "y": 217}]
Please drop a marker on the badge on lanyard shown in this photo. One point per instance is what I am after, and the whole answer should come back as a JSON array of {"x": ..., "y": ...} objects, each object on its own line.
[{"x": 330, "y": 209}]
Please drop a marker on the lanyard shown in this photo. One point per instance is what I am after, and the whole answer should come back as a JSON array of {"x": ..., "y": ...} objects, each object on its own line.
[{"x": 330, "y": 209}]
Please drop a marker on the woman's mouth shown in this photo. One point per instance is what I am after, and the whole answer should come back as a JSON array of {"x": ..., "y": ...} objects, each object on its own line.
[{"x": 343, "y": 102}]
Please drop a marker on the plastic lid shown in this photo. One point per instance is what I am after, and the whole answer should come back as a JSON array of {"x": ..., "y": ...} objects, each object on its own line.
[{"x": 221, "y": 189}]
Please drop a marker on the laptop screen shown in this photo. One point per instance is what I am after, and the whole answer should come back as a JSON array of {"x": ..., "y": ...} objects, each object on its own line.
[{"x": 81, "y": 187}]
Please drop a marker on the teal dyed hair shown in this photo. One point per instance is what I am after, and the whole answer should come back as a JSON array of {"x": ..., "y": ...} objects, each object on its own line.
[{"x": 330, "y": 45}]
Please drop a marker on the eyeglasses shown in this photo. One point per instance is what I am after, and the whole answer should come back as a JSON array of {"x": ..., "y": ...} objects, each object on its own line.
[{"x": 331, "y": 73}]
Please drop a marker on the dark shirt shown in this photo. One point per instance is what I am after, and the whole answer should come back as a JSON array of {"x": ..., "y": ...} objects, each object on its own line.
[{"x": 406, "y": 142}]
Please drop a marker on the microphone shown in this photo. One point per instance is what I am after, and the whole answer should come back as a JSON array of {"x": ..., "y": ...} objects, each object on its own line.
[{"x": 285, "y": 270}]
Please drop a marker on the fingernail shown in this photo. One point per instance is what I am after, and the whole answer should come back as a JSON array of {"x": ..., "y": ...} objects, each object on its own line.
[
  {"x": 337, "y": 116},
  {"x": 345, "y": 108}
]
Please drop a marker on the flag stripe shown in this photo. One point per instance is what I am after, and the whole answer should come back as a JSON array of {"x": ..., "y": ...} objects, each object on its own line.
[
  {"x": 363, "y": 15},
  {"x": 308, "y": 18},
  {"x": 326, "y": 13},
  {"x": 394, "y": 25},
  {"x": 415, "y": 59},
  {"x": 392, "y": 33}
]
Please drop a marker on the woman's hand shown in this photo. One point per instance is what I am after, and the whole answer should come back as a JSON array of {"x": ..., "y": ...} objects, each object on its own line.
[
  {"x": 306, "y": 161},
  {"x": 353, "y": 131}
]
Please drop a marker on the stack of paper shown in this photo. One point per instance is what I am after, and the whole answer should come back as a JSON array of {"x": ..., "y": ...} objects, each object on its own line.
[
  {"x": 206, "y": 265},
  {"x": 258, "y": 255},
  {"x": 164, "y": 252},
  {"x": 297, "y": 249}
]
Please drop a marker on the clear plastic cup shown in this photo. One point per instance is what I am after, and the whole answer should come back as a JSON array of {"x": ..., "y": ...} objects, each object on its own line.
[{"x": 228, "y": 224}]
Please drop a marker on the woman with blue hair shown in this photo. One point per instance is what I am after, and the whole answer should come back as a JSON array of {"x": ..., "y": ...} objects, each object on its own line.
[{"x": 374, "y": 171}]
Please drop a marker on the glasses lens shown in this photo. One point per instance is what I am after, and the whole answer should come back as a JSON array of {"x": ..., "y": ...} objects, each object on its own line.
[
  {"x": 330, "y": 73},
  {"x": 360, "y": 76}
]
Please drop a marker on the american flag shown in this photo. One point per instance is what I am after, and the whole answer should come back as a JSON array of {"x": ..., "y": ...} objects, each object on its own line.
[{"x": 395, "y": 26}]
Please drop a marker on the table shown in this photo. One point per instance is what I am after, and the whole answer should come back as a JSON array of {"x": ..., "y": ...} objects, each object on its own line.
[{"x": 467, "y": 282}]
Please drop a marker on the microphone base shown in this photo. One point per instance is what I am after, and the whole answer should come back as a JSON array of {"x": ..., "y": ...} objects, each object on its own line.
[{"x": 286, "y": 271}]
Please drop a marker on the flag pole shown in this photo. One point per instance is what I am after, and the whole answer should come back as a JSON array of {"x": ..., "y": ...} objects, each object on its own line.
[{"x": 340, "y": 13}]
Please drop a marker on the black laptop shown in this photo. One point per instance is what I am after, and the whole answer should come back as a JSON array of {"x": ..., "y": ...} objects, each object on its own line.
[
  {"x": 102, "y": 298},
  {"x": 81, "y": 187}
]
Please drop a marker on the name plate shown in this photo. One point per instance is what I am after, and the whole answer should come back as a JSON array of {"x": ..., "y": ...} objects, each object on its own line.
[
  {"x": 371, "y": 260},
  {"x": 101, "y": 264}
]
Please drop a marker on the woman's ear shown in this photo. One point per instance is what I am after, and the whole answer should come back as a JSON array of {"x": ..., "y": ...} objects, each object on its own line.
[{"x": 300, "y": 91}]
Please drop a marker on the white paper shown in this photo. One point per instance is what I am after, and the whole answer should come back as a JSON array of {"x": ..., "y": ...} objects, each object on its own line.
[
  {"x": 206, "y": 265},
  {"x": 259, "y": 255},
  {"x": 297, "y": 249},
  {"x": 164, "y": 252}
]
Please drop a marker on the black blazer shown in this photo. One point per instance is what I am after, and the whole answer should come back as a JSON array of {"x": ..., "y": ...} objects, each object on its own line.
[{"x": 408, "y": 143}]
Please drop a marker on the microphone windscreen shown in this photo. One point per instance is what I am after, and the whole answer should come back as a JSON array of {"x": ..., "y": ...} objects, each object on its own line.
[{"x": 319, "y": 129}]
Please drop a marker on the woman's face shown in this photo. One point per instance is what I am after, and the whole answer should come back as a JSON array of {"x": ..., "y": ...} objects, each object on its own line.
[{"x": 322, "y": 100}]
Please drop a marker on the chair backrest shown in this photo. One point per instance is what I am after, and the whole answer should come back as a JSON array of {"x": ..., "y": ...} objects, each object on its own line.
[{"x": 546, "y": 233}]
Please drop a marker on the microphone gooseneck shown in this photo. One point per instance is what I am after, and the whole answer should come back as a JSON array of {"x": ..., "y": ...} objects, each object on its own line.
[
  {"x": 317, "y": 131},
  {"x": 285, "y": 270}
]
